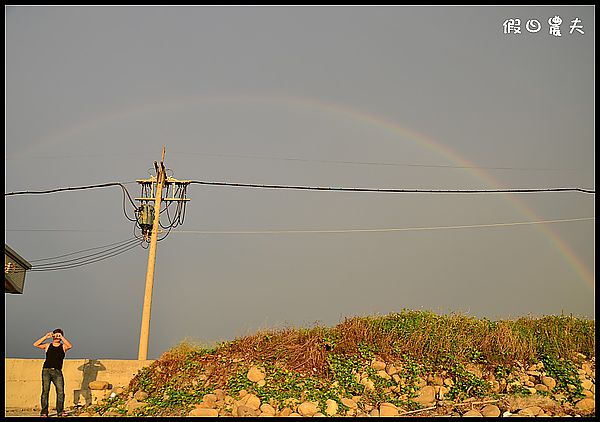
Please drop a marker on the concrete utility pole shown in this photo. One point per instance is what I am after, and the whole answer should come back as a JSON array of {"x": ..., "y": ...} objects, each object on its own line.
[{"x": 160, "y": 181}]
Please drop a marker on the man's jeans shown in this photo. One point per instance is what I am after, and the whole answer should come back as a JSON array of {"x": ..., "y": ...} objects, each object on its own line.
[{"x": 55, "y": 376}]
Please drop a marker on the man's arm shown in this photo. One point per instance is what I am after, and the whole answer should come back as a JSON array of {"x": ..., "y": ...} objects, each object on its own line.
[
  {"x": 39, "y": 342},
  {"x": 66, "y": 343}
]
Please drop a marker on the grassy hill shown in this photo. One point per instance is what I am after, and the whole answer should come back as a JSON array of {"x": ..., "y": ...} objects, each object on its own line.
[{"x": 400, "y": 363}]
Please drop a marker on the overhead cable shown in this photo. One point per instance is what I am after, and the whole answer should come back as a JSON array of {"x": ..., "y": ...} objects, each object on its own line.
[
  {"x": 393, "y": 229},
  {"x": 385, "y": 190}
]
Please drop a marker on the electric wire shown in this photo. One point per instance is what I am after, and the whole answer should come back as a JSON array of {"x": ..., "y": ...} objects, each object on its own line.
[
  {"x": 385, "y": 190},
  {"x": 115, "y": 253},
  {"x": 102, "y": 185},
  {"x": 84, "y": 260},
  {"x": 83, "y": 250},
  {"x": 368, "y": 162},
  {"x": 88, "y": 257},
  {"x": 393, "y": 229}
]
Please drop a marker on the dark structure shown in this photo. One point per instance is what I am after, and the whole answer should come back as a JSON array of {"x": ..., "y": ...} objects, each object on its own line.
[{"x": 15, "y": 268}]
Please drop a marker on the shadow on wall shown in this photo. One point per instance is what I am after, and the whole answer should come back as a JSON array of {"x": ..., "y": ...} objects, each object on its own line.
[{"x": 90, "y": 371}]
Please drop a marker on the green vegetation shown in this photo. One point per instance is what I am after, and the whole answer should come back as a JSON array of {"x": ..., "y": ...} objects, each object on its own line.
[{"x": 330, "y": 363}]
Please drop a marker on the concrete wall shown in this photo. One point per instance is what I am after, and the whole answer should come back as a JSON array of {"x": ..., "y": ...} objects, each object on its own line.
[{"x": 23, "y": 379}]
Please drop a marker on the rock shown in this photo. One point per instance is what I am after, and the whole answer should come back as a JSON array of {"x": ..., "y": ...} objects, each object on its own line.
[
  {"x": 111, "y": 413},
  {"x": 586, "y": 384},
  {"x": 472, "y": 413},
  {"x": 203, "y": 412},
  {"x": 251, "y": 401},
  {"x": 388, "y": 409},
  {"x": 307, "y": 409},
  {"x": 210, "y": 400},
  {"x": 261, "y": 383},
  {"x": 426, "y": 395},
  {"x": 369, "y": 385},
  {"x": 391, "y": 369},
  {"x": 421, "y": 382},
  {"x": 268, "y": 409},
  {"x": 286, "y": 411},
  {"x": 396, "y": 378},
  {"x": 140, "y": 395},
  {"x": 349, "y": 403},
  {"x": 586, "y": 405},
  {"x": 490, "y": 410},
  {"x": 378, "y": 365},
  {"x": 374, "y": 412},
  {"x": 448, "y": 382},
  {"x": 441, "y": 391},
  {"x": 530, "y": 411},
  {"x": 437, "y": 380},
  {"x": 474, "y": 369},
  {"x": 495, "y": 386},
  {"x": 541, "y": 387},
  {"x": 255, "y": 374},
  {"x": 132, "y": 405},
  {"x": 588, "y": 393},
  {"x": 118, "y": 390},
  {"x": 332, "y": 407},
  {"x": 244, "y": 410},
  {"x": 383, "y": 375},
  {"x": 220, "y": 394},
  {"x": 549, "y": 382},
  {"x": 242, "y": 393},
  {"x": 98, "y": 385}
]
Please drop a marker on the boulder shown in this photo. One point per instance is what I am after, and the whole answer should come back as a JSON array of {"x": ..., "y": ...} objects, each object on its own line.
[
  {"x": 426, "y": 395},
  {"x": 388, "y": 409},
  {"x": 332, "y": 407},
  {"x": 378, "y": 365},
  {"x": 250, "y": 400},
  {"x": 140, "y": 395},
  {"x": 203, "y": 412},
  {"x": 255, "y": 374},
  {"x": 132, "y": 405},
  {"x": 307, "y": 409},
  {"x": 530, "y": 411},
  {"x": 391, "y": 369},
  {"x": 586, "y": 405},
  {"x": 349, "y": 403},
  {"x": 384, "y": 375},
  {"x": 268, "y": 409},
  {"x": 243, "y": 410},
  {"x": 491, "y": 411},
  {"x": 472, "y": 413}
]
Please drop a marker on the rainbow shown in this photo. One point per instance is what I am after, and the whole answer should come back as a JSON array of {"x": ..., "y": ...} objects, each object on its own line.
[{"x": 164, "y": 105}]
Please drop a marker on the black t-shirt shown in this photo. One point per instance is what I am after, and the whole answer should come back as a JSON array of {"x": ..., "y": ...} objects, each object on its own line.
[{"x": 54, "y": 357}]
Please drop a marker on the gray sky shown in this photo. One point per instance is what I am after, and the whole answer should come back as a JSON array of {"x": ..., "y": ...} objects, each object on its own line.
[{"x": 304, "y": 96}]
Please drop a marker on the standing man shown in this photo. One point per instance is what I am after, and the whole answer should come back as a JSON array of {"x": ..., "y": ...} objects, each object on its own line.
[{"x": 52, "y": 369}]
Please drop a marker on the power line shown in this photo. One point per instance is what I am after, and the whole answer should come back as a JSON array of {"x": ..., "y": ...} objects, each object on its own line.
[
  {"x": 83, "y": 250},
  {"x": 89, "y": 257},
  {"x": 115, "y": 253},
  {"x": 110, "y": 251},
  {"x": 394, "y": 229},
  {"x": 259, "y": 157},
  {"x": 385, "y": 190},
  {"x": 102, "y": 185}
]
